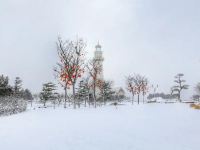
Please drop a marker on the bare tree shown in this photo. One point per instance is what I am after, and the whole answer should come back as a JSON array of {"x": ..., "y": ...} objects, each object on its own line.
[
  {"x": 71, "y": 64},
  {"x": 180, "y": 85},
  {"x": 140, "y": 81},
  {"x": 65, "y": 53},
  {"x": 137, "y": 84},
  {"x": 78, "y": 64},
  {"x": 94, "y": 68},
  {"x": 144, "y": 87},
  {"x": 131, "y": 86}
]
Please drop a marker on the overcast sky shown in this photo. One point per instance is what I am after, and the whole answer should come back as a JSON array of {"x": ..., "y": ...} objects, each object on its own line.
[{"x": 155, "y": 38}]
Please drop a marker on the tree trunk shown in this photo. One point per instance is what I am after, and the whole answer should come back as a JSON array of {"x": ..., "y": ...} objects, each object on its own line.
[
  {"x": 138, "y": 98},
  {"x": 85, "y": 102},
  {"x": 132, "y": 98},
  {"x": 94, "y": 95},
  {"x": 54, "y": 104},
  {"x": 74, "y": 100},
  {"x": 89, "y": 99},
  {"x": 31, "y": 103},
  {"x": 179, "y": 96},
  {"x": 65, "y": 97},
  {"x": 104, "y": 102},
  {"x": 59, "y": 103},
  {"x": 143, "y": 98}
]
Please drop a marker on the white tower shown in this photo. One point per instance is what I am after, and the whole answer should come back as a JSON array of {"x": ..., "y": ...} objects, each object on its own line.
[{"x": 98, "y": 57}]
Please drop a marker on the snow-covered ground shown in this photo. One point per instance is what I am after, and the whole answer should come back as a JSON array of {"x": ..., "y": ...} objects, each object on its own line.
[{"x": 143, "y": 127}]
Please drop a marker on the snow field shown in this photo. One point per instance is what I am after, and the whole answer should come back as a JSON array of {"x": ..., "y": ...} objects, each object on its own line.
[{"x": 138, "y": 127}]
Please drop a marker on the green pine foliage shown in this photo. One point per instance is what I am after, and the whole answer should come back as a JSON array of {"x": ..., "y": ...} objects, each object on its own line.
[
  {"x": 107, "y": 91},
  {"x": 47, "y": 92},
  {"x": 5, "y": 88}
]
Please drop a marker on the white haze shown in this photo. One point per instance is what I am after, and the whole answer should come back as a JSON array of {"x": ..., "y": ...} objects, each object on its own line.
[{"x": 155, "y": 38}]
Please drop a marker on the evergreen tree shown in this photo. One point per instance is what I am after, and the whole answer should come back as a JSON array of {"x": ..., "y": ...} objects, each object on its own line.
[
  {"x": 106, "y": 91},
  {"x": 5, "y": 88},
  {"x": 180, "y": 85},
  {"x": 83, "y": 91},
  {"x": 120, "y": 94},
  {"x": 18, "y": 87},
  {"x": 27, "y": 95},
  {"x": 47, "y": 92}
]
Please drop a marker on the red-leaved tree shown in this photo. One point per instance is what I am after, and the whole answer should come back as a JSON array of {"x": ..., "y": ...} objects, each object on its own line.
[{"x": 71, "y": 64}]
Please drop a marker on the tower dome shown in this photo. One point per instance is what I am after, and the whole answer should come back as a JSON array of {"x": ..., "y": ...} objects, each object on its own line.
[{"x": 98, "y": 47}]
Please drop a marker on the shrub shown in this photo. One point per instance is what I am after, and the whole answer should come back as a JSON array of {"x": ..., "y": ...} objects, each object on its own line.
[{"x": 11, "y": 105}]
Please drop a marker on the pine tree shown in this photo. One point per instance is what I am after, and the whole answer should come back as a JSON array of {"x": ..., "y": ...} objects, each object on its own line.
[
  {"x": 47, "y": 92},
  {"x": 120, "y": 94},
  {"x": 106, "y": 91},
  {"x": 83, "y": 91},
  {"x": 27, "y": 95},
  {"x": 18, "y": 87},
  {"x": 180, "y": 85},
  {"x": 5, "y": 88}
]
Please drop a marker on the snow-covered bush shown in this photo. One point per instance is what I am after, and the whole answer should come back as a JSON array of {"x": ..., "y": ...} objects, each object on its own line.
[{"x": 11, "y": 105}]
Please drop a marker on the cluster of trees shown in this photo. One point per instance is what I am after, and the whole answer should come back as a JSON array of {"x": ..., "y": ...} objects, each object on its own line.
[
  {"x": 83, "y": 95},
  {"x": 80, "y": 77},
  {"x": 16, "y": 90},
  {"x": 161, "y": 95},
  {"x": 74, "y": 73},
  {"x": 137, "y": 85},
  {"x": 175, "y": 91},
  {"x": 87, "y": 92},
  {"x": 13, "y": 98}
]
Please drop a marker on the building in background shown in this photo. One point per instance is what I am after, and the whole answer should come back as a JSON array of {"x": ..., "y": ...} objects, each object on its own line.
[{"x": 98, "y": 59}]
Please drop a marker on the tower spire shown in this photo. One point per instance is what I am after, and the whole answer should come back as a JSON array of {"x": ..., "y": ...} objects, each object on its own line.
[{"x": 98, "y": 46}]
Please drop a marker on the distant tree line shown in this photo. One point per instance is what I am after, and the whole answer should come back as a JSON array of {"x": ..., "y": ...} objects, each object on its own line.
[
  {"x": 162, "y": 95},
  {"x": 81, "y": 86},
  {"x": 13, "y": 99},
  {"x": 83, "y": 95}
]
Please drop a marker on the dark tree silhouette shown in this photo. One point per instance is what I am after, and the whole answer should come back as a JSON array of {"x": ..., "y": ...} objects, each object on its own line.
[{"x": 180, "y": 85}]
